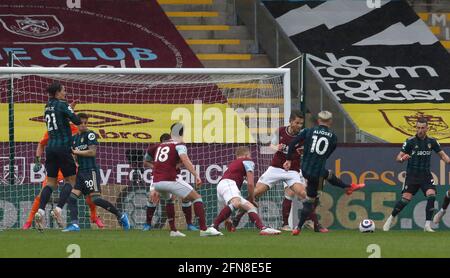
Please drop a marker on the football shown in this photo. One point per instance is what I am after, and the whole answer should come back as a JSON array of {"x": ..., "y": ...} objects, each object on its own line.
[{"x": 367, "y": 226}]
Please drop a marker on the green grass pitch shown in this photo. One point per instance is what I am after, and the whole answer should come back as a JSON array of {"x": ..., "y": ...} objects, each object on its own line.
[{"x": 244, "y": 243}]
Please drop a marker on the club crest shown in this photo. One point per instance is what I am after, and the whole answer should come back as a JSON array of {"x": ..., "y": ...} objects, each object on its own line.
[{"x": 32, "y": 26}]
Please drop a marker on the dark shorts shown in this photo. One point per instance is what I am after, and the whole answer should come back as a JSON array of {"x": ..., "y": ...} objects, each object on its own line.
[
  {"x": 59, "y": 158},
  {"x": 414, "y": 183},
  {"x": 88, "y": 181},
  {"x": 314, "y": 184}
]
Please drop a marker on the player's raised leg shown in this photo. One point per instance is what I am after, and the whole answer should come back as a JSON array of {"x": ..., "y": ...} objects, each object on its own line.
[
  {"x": 94, "y": 191},
  {"x": 349, "y": 188}
]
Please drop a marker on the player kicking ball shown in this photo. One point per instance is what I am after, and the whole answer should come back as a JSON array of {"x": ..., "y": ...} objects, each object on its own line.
[
  {"x": 417, "y": 151},
  {"x": 229, "y": 191},
  {"x": 84, "y": 147},
  {"x": 165, "y": 181},
  {"x": 319, "y": 143},
  {"x": 292, "y": 178}
]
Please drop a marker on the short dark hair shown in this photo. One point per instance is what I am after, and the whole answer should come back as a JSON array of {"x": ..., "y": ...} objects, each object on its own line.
[
  {"x": 177, "y": 129},
  {"x": 422, "y": 120},
  {"x": 53, "y": 88},
  {"x": 296, "y": 114},
  {"x": 164, "y": 137},
  {"x": 83, "y": 116}
]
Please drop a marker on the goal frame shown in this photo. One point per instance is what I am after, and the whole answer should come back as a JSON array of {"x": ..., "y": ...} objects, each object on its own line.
[{"x": 285, "y": 72}]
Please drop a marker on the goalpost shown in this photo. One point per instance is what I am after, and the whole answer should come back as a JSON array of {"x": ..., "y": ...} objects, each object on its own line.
[{"x": 129, "y": 109}]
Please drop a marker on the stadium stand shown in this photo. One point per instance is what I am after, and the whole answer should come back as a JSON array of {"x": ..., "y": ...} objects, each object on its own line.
[
  {"x": 210, "y": 28},
  {"x": 436, "y": 14}
]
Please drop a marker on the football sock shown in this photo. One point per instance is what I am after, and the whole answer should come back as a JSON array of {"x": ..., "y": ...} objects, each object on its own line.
[
  {"x": 237, "y": 218},
  {"x": 72, "y": 205},
  {"x": 286, "y": 210},
  {"x": 151, "y": 208},
  {"x": 107, "y": 205},
  {"x": 399, "y": 206},
  {"x": 199, "y": 211},
  {"x": 429, "y": 209},
  {"x": 333, "y": 180},
  {"x": 254, "y": 217},
  {"x": 187, "y": 211},
  {"x": 306, "y": 211},
  {"x": 45, "y": 196},
  {"x": 223, "y": 215},
  {"x": 170, "y": 210},
  {"x": 64, "y": 195}
]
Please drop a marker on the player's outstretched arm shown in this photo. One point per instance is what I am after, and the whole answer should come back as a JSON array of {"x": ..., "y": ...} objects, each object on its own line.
[
  {"x": 91, "y": 152},
  {"x": 190, "y": 167},
  {"x": 444, "y": 157}
]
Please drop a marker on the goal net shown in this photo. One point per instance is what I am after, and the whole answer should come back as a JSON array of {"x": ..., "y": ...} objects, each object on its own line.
[{"x": 129, "y": 109}]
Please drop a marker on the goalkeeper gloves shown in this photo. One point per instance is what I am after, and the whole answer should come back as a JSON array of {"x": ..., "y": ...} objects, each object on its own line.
[{"x": 37, "y": 164}]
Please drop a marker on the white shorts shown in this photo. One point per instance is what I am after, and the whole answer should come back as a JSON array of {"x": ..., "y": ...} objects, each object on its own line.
[
  {"x": 152, "y": 185},
  {"x": 227, "y": 190},
  {"x": 274, "y": 175},
  {"x": 179, "y": 188}
]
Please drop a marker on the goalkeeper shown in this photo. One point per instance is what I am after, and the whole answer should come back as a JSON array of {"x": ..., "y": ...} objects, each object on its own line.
[{"x": 37, "y": 167}]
